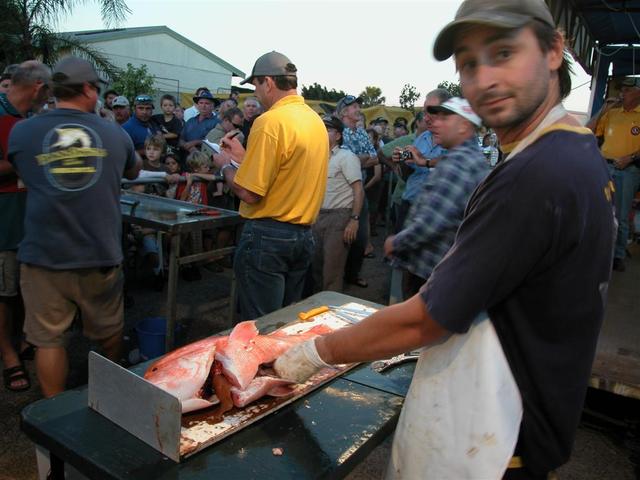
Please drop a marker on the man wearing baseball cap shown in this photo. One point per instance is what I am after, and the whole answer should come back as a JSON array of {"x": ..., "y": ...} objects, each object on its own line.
[
  {"x": 619, "y": 131},
  {"x": 511, "y": 315},
  {"x": 141, "y": 126},
  {"x": 280, "y": 181},
  {"x": 121, "y": 111},
  {"x": 71, "y": 162},
  {"x": 426, "y": 236}
]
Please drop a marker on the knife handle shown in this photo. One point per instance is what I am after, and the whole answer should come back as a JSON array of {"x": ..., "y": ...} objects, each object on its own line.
[{"x": 312, "y": 313}]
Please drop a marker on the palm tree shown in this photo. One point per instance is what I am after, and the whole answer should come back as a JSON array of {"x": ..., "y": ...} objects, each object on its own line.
[{"x": 27, "y": 30}]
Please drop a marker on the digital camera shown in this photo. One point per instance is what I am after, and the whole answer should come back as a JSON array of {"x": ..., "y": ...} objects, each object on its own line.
[{"x": 406, "y": 155}]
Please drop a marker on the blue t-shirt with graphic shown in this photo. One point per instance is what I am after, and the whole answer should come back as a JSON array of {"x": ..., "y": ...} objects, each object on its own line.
[{"x": 72, "y": 164}]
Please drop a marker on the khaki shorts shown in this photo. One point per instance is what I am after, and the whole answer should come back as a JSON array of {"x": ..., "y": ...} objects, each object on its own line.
[
  {"x": 52, "y": 298},
  {"x": 9, "y": 273}
]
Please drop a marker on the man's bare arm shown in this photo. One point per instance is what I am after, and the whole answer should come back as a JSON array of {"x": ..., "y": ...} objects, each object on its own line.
[
  {"x": 132, "y": 173},
  {"x": 390, "y": 331}
]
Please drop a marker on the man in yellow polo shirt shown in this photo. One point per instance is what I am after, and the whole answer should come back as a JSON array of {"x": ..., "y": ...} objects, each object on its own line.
[
  {"x": 280, "y": 180},
  {"x": 620, "y": 129}
]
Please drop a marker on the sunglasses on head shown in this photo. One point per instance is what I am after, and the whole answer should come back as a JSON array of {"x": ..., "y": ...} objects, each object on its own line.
[{"x": 143, "y": 99}]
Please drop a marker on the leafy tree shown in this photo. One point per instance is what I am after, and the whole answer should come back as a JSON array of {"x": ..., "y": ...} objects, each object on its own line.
[
  {"x": 453, "y": 88},
  {"x": 408, "y": 97},
  {"x": 134, "y": 81},
  {"x": 27, "y": 30},
  {"x": 319, "y": 92},
  {"x": 372, "y": 96}
]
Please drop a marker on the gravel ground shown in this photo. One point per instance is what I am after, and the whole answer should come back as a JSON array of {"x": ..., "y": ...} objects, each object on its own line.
[{"x": 602, "y": 449}]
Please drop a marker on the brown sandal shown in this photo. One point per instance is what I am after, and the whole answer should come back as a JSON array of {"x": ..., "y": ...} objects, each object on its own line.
[{"x": 12, "y": 375}]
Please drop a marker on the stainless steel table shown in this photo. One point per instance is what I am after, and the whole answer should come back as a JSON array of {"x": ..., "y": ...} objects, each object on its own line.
[{"x": 175, "y": 218}]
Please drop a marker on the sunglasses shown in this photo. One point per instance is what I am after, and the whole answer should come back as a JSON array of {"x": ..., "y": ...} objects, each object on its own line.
[
  {"x": 239, "y": 127},
  {"x": 143, "y": 99}
]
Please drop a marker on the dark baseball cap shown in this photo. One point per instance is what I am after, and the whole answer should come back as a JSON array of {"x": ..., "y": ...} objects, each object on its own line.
[
  {"x": 331, "y": 121},
  {"x": 75, "y": 71},
  {"x": 346, "y": 101},
  {"x": 379, "y": 120},
  {"x": 507, "y": 14},
  {"x": 272, "y": 64}
]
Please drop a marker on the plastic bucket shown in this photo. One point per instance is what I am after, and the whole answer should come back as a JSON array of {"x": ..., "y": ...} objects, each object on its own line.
[{"x": 151, "y": 336}]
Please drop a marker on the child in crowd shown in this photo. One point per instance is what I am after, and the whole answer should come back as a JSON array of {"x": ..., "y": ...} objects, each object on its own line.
[
  {"x": 147, "y": 238},
  {"x": 194, "y": 190},
  {"x": 173, "y": 170},
  {"x": 169, "y": 123}
]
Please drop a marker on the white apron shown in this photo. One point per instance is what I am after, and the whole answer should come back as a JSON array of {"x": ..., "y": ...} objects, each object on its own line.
[{"x": 461, "y": 416}]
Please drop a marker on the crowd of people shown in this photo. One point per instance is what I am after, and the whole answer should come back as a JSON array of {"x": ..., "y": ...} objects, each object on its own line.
[{"x": 311, "y": 189}]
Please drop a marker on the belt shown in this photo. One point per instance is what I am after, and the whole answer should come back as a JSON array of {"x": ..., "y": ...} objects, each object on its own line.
[
  {"x": 515, "y": 462},
  {"x": 277, "y": 223}
]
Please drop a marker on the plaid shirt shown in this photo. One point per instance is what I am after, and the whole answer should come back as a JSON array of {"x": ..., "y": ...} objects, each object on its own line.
[
  {"x": 358, "y": 141},
  {"x": 438, "y": 210}
]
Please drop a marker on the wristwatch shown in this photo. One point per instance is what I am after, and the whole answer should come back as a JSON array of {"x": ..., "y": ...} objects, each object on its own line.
[
  {"x": 228, "y": 165},
  {"x": 355, "y": 217}
]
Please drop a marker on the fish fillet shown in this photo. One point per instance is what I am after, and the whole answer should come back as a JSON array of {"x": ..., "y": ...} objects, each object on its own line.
[{"x": 259, "y": 387}]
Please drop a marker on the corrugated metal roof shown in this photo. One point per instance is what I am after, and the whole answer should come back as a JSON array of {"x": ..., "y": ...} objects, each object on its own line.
[{"x": 93, "y": 36}]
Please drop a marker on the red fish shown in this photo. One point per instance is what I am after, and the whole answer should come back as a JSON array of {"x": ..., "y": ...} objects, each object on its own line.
[
  {"x": 245, "y": 350},
  {"x": 259, "y": 387},
  {"x": 184, "y": 372}
]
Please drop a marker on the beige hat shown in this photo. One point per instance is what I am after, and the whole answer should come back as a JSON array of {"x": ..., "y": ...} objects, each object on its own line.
[{"x": 496, "y": 13}]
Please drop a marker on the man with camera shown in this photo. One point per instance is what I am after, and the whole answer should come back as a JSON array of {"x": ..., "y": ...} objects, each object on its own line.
[
  {"x": 416, "y": 160},
  {"x": 438, "y": 207}
]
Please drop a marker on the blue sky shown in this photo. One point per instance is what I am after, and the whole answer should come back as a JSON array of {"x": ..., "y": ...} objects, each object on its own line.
[{"x": 345, "y": 45}]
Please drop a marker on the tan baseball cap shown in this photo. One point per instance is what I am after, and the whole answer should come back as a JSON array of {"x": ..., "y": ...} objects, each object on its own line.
[
  {"x": 507, "y": 14},
  {"x": 272, "y": 64}
]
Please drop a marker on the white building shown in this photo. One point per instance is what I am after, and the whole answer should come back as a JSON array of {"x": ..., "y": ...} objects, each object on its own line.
[{"x": 178, "y": 64}]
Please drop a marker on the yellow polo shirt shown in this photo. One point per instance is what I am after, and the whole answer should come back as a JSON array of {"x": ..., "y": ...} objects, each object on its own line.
[
  {"x": 621, "y": 132},
  {"x": 286, "y": 163}
]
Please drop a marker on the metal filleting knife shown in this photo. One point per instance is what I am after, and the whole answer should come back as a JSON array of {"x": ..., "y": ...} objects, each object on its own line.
[{"x": 382, "y": 365}]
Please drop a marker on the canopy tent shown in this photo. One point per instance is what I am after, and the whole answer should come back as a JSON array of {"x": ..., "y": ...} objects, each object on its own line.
[{"x": 602, "y": 34}]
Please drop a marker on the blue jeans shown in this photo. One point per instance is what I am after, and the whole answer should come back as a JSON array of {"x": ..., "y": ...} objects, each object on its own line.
[
  {"x": 626, "y": 183},
  {"x": 270, "y": 264}
]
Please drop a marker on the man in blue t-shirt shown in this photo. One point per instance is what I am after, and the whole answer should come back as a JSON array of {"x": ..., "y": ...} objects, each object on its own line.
[
  {"x": 141, "y": 126},
  {"x": 72, "y": 162}
]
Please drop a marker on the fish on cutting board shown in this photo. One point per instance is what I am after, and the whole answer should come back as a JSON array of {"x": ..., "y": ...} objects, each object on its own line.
[
  {"x": 184, "y": 372},
  {"x": 245, "y": 350},
  {"x": 188, "y": 373}
]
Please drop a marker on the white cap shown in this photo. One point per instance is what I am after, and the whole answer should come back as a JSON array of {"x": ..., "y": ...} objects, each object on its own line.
[{"x": 459, "y": 106}]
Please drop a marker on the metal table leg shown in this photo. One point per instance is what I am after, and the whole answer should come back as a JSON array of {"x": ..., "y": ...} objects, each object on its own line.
[{"x": 171, "y": 293}]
